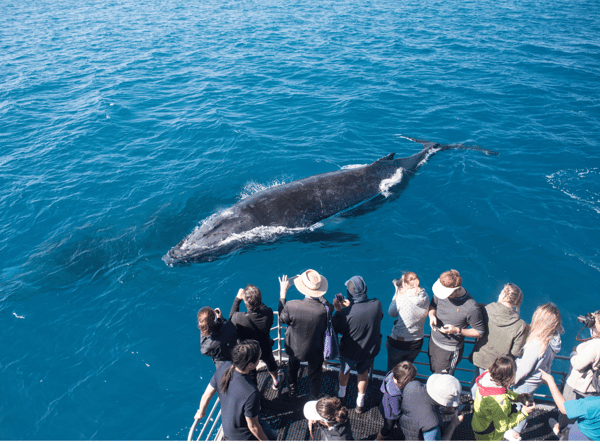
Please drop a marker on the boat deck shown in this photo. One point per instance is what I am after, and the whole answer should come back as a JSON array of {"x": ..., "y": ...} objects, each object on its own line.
[{"x": 284, "y": 413}]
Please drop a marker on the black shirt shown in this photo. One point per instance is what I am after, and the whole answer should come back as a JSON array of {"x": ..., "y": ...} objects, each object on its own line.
[
  {"x": 219, "y": 345},
  {"x": 360, "y": 327},
  {"x": 253, "y": 324},
  {"x": 240, "y": 401}
]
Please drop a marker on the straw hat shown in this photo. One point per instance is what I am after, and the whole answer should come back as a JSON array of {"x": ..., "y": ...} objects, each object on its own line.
[{"x": 310, "y": 283}]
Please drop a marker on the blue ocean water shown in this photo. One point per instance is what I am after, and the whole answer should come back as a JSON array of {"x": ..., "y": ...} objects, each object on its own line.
[{"x": 124, "y": 124}]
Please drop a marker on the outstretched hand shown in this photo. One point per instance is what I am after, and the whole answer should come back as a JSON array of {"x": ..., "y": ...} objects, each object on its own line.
[
  {"x": 284, "y": 285},
  {"x": 240, "y": 294}
]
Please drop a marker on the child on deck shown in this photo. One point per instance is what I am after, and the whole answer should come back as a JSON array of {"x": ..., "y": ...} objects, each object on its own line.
[
  {"x": 493, "y": 412},
  {"x": 391, "y": 403}
]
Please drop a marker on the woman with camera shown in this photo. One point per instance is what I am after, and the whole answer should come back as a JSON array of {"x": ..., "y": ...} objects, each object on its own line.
[
  {"x": 218, "y": 336},
  {"x": 585, "y": 364},
  {"x": 542, "y": 344},
  {"x": 410, "y": 305}
]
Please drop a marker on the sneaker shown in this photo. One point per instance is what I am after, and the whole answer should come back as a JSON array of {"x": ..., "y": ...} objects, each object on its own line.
[
  {"x": 510, "y": 436},
  {"x": 360, "y": 409},
  {"x": 279, "y": 384},
  {"x": 553, "y": 423}
]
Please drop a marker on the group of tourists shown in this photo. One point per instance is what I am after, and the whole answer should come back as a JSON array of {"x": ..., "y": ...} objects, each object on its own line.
[{"x": 511, "y": 359}]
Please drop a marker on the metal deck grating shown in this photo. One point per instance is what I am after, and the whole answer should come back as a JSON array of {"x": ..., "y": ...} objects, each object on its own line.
[{"x": 284, "y": 414}]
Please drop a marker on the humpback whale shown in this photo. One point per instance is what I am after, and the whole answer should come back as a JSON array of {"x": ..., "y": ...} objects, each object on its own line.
[{"x": 298, "y": 205}]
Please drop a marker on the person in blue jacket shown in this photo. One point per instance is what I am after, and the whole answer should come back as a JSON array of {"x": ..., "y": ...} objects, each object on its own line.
[{"x": 585, "y": 410}]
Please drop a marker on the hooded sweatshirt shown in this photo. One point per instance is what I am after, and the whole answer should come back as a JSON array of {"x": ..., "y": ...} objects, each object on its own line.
[
  {"x": 532, "y": 361},
  {"x": 493, "y": 412},
  {"x": 505, "y": 335},
  {"x": 391, "y": 403}
]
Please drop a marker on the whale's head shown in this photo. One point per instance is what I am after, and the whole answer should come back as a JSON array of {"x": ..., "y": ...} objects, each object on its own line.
[{"x": 216, "y": 236}]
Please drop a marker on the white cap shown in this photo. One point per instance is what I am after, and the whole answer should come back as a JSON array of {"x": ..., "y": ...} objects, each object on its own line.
[
  {"x": 310, "y": 412},
  {"x": 442, "y": 292}
]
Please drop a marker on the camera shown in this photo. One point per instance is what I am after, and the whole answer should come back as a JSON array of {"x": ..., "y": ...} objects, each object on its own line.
[
  {"x": 589, "y": 320},
  {"x": 397, "y": 283},
  {"x": 339, "y": 297}
]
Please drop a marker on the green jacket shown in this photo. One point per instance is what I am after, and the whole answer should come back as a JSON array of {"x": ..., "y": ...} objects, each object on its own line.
[
  {"x": 505, "y": 336},
  {"x": 493, "y": 413}
]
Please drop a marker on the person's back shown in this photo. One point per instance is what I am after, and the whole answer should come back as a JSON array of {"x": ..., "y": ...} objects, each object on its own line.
[
  {"x": 217, "y": 335},
  {"x": 419, "y": 412},
  {"x": 307, "y": 321},
  {"x": 240, "y": 400},
  {"x": 506, "y": 332},
  {"x": 360, "y": 327}
]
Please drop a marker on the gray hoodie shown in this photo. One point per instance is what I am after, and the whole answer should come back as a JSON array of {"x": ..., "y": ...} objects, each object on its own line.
[
  {"x": 532, "y": 361},
  {"x": 505, "y": 335}
]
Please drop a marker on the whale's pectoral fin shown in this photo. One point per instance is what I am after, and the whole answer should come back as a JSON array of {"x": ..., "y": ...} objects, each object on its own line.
[{"x": 460, "y": 146}]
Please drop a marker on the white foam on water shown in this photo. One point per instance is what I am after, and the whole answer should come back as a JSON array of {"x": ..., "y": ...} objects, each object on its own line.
[
  {"x": 20, "y": 317},
  {"x": 388, "y": 183},
  {"x": 579, "y": 184}
]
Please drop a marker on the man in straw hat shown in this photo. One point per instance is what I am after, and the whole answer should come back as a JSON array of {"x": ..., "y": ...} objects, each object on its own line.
[
  {"x": 307, "y": 321},
  {"x": 451, "y": 311}
]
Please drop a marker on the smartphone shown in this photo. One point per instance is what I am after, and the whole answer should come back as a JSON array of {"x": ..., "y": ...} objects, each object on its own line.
[{"x": 339, "y": 297}]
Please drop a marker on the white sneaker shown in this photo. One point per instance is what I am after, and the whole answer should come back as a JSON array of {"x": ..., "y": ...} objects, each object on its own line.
[
  {"x": 553, "y": 423},
  {"x": 510, "y": 436}
]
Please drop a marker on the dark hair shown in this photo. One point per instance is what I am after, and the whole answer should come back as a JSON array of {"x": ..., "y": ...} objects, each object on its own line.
[
  {"x": 503, "y": 371},
  {"x": 332, "y": 410},
  {"x": 243, "y": 354},
  {"x": 206, "y": 321},
  {"x": 403, "y": 373},
  {"x": 253, "y": 297}
]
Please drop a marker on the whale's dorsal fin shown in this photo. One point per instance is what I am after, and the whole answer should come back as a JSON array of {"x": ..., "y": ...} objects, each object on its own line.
[{"x": 388, "y": 157}]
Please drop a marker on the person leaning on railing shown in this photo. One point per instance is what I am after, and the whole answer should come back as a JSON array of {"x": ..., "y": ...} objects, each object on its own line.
[
  {"x": 585, "y": 363},
  {"x": 505, "y": 333},
  {"x": 410, "y": 305},
  {"x": 256, "y": 324},
  {"x": 451, "y": 311},
  {"x": 218, "y": 336},
  {"x": 542, "y": 345}
]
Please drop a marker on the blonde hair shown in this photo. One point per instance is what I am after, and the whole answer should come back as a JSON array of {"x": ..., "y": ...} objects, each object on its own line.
[
  {"x": 512, "y": 294},
  {"x": 546, "y": 322},
  {"x": 410, "y": 284}
]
